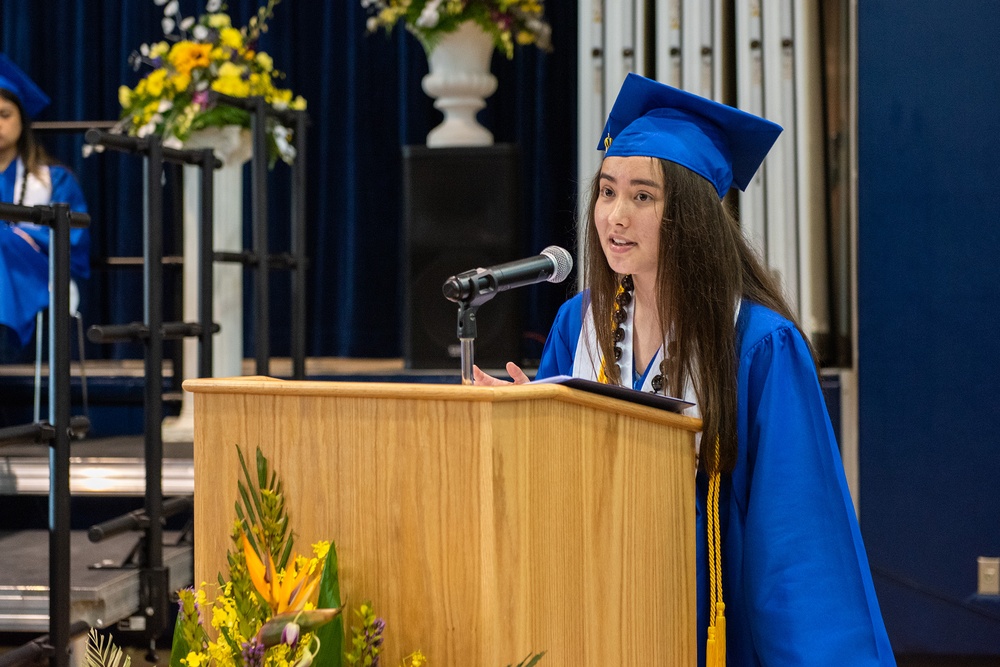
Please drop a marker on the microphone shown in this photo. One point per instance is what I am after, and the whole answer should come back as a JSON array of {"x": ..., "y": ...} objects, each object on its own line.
[{"x": 480, "y": 285}]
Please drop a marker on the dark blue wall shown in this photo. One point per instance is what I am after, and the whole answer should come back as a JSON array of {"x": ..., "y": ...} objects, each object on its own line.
[{"x": 929, "y": 314}]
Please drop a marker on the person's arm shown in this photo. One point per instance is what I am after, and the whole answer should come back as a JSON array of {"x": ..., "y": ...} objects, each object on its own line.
[{"x": 806, "y": 577}]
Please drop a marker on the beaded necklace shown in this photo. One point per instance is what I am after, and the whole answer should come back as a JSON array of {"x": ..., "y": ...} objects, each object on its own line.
[{"x": 620, "y": 321}]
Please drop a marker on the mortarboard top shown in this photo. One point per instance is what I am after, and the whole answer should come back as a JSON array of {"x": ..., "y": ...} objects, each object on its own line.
[
  {"x": 16, "y": 81},
  {"x": 723, "y": 144}
]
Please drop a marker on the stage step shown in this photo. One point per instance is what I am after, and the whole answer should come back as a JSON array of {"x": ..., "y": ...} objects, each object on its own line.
[
  {"x": 98, "y": 466},
  {"x": 100, "y": 596}
]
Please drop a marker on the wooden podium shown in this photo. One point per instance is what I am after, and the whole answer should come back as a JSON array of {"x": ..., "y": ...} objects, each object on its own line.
[{"x": 483, "y": 523}]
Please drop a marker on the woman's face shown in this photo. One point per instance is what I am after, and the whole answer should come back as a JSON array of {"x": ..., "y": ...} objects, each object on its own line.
[
  {"x": 10, "y": 126},
  {"x": 628, "y": 214}
]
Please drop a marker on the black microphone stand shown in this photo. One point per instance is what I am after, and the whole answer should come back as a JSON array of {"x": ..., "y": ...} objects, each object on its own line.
[
  {"x": 467, "y": 338},
  {"x": 468, "y": 304}
]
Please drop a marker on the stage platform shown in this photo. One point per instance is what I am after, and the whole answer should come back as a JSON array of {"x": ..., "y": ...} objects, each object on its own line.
[{"x": 101, "y": 593}]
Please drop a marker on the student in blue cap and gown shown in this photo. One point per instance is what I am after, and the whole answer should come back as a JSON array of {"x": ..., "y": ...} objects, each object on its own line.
[
  {"x": 28, "y": 176},
  {"x": 678, "y": 303}
]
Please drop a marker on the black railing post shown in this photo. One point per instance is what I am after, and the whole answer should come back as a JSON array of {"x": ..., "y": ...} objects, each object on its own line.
[
  {"x": 262, "y": 276},
  {"x": 206, "y": 259},
  {"x": 153, "y": 584},
  {"x": 59, "y": 417},
  {"x": 298, "y": 332}
]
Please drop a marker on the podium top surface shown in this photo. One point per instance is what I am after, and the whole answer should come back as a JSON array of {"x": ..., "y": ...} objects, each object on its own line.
[{"x": 407, "y": 391}]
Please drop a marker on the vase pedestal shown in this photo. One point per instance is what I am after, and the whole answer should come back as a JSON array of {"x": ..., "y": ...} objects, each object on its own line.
[
  {"x": 232, "y": 146},
  {"x": 459, "y": 80}
]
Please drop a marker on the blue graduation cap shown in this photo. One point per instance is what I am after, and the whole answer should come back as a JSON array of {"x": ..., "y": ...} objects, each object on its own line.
[
  {"x": 723, "y": 144},
  {"x": 16, "y": 81}
]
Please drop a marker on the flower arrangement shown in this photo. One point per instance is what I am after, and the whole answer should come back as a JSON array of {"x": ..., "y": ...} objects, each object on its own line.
[
  {"x": 507, "y": 21},
  {"x": 271, "y": 609},
  {"x": 197, "y": 56}
]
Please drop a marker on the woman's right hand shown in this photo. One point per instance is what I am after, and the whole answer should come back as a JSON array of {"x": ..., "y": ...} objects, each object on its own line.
[{"x": 486, "y": 380}]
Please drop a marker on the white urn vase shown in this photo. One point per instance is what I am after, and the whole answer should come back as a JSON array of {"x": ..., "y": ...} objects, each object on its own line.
[
  {"x": 459, "y": 81},
  {"x": 233, "y": 146}
]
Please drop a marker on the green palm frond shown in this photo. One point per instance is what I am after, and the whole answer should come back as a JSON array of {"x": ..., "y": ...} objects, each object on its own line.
[
  {"x": 531, "y": 660},
  {"x": 102, "y": 652}
]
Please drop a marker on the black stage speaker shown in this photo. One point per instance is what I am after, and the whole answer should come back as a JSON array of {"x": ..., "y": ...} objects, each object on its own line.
[{"x": 462, "y": 210}]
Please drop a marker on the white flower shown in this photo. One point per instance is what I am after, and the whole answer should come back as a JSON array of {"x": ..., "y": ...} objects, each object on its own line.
[
  {"x": 146, "y": 129},
  {"x": 429, "y": 16},
  {"x": 187, "y": 23},
  {"x": 213, "y": 6},
  {"x": 159, "y": 3},
  {"x": 200, "y": 32},
  {"x": 372, "y": 24},
  {"x": 285, "y": 149},
  {"x": 168, "y": 25},
  {"x": 171, "y": 8},
  {"x": 165, "y": 105},
  {"x": 173, "y": 142}
]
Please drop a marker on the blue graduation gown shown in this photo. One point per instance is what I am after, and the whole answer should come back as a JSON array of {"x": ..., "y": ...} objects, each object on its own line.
[
  {"x": 24, "y": 272},
  {"x": 796, "y": 581}
]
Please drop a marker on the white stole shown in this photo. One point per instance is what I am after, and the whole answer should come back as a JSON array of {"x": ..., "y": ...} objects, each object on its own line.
[
  {"x": 37, "y": 188},
  {"x": 587, "y": 359},
  {"x": 587, "y": 363}
]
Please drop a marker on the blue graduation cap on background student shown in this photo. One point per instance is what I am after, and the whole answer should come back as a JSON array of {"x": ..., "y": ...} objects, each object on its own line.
[
  {"x": 723, "y": 144},
  {"x": 16, "y": 81}
]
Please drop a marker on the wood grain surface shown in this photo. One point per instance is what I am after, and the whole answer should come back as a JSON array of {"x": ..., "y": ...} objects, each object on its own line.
[{"x": 483, "y": 523}]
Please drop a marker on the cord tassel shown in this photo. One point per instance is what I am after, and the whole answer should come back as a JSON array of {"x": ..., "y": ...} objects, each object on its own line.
[{"x": 715, "y": 645}]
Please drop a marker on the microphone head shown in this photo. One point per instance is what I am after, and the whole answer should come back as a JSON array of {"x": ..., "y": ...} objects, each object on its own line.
[{"x": 562, "y": 260}]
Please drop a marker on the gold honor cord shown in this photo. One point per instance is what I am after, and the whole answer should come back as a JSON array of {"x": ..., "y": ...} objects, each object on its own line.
[
  {"x": 602, "y": 375},
  {"x": 715, "y": 647}
]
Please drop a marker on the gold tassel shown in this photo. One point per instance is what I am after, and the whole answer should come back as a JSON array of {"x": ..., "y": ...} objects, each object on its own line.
[{"x": 715, "y": 645}]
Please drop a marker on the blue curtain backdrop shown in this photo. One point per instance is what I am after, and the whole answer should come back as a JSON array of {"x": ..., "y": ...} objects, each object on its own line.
[{"x": 365, "y": 103}]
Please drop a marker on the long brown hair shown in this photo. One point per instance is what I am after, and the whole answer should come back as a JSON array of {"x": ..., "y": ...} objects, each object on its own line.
[
  {"x": 30, "y": 151},
  {"x": 705, "y": 268}
]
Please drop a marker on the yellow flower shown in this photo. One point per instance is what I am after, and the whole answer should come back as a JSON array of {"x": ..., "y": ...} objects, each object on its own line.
[
  {"x": 232, "y": 38},
  {"x": 180, "y": 82},
  {"x": 186, "y": 56},
  {"x": 230, "y": 81},
  {"x": 194, "y": 659},
  {"x": 124, "y": 96},
  {"x": 415, "y": 659},
  {"x": 524, "y": 38},
  {"x": 265, "y": 61},
  {"x": 159, "y": 49},
  {"x": 321, "y": 548},
  {"x": 282, "y": 98},
  {"x": 155, "y": 81},
  {"x": 219, "y": 21},
  {"x": 299, "y": 103}
]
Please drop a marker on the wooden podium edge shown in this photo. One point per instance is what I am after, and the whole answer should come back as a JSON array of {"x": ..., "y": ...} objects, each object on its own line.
[{"x": 415, "y": 391}]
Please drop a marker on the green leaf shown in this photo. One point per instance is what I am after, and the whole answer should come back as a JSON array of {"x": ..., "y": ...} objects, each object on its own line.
[
  {"x": 262, "y": 471},
  {"x": 283, "y": 561},
  {"x": 331, "y": 635},
  {"x": 101, "y": 655},
  {"x": 180, "y": 647},
  {"x": 530, "y": 661},
  {"x": 252, "y": 490}
]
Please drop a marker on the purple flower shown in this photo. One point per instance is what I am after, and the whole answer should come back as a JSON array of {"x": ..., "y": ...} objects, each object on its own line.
[
  {"x": 290, "y": 634},
  {"x": 200, "y": 98},
  {"x": 252, "y": 653}
]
